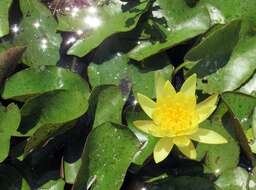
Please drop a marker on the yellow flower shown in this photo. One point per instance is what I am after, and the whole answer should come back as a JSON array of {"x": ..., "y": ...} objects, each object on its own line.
[{"x": 175, "y": 118}]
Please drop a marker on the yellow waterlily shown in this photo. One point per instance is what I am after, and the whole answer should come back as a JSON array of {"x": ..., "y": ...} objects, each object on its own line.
[{"x": 175, "y": 118}]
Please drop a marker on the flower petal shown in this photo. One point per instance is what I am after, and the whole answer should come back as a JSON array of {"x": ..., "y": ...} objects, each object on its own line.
[
  {"x": 169, "y": 90},
  {"x": 208, "y": 136},
  {"x": 181, "y": 141},
  {"x": 159, "y": 84},
  {"x": 206, "y": 107},
  {"x": 189, "y": 86},
  {"x": 189, "y": 151},
  {"x": 162, "y": 149},
  {"x": 146, "y": 104},
  {"x": 148, "y": 126}
]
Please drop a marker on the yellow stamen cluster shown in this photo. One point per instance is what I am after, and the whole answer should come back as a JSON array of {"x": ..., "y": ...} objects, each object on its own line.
[{"x": 175, "y": 115}]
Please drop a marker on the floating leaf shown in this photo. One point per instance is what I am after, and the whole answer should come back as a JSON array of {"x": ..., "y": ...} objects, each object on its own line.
[
  {"x": 4, "y": 17},
  {"x": 112, "y": 18},
  {"x": 235, "y": 179},
  {"x": 51, "y": 109},
  {"x": 118, "y": 71},
  {"x": 36, "y": 81},
  {"x": 219, "y": 158},
  {"x": 108, "y": 103},
  {"x": 241, "y": 105},
  {"x": 37, "y": 31},
  {"x": 114, "y": 153},
  {"x": 211, "y": 53},
  {"x": 9, "y": 122},
  {"x": 171, "y": 23}
]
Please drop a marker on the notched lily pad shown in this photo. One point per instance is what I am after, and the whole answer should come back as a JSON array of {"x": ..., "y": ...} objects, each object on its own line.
[{"x": 104, "y": 164}]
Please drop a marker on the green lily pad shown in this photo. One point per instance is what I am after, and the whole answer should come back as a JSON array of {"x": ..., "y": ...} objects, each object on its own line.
[
  {"x": 112, "y": 18},
  {"x": 104, "y": 164},
  {"x": 230, "y": 9},
  {"x": 107, "y": 103},
  {"x": 51, "y": 109},
  {"x": 37, "y": 31},
  {"x": 235, "y": 72},
  {"x": 211, "y": 53},
  {"x": 171, "y": 22},
  {"x": 118, "y": 71},
  {"x": 9, "y": 122},
  {"x": 4, "y": 17},
  {"x": 241, "y": 105},
  {"x": 221, "y": 157},
  {"x": 235, "y": 179},
  {"x": 36, "y": 81}
]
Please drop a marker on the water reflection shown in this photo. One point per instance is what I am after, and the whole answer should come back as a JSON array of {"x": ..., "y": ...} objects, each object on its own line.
[
  {"x": 74, "y": 11},
  {"x": 44, "y": 43},
  {"x": 15, "y": 28},
  {"x": 71, "y": 40},
  {"x": 36, "y": 24},
  {"x": 92, "y": 21}
]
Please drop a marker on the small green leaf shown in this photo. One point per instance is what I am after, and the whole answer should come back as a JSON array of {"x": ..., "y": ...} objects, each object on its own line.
[{"x": 104, "y": 164}]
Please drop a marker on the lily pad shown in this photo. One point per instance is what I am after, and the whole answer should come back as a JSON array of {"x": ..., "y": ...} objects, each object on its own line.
[
  {"x": 219, "y": 158},
  {"x": 171, "y": 22},
  {"x": 51, "y": 109},
  {"x": 107, "y": 103},
  {"x": 9, "y": 122},
  {"x": 35, "y": 81},
  {"x": 235, "y": 179},
  {"x": 241, "y": 105},
  {"x": 112, "y": 18},
  {"x": 37, "y": 31},
  {"x": 4, "y": 17},
  {"x": 99, "y": 159},
  {"x": 118, "y": 71}
]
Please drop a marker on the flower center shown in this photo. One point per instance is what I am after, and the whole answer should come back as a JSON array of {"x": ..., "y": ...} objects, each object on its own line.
[{"x": 176, "y": 115}]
